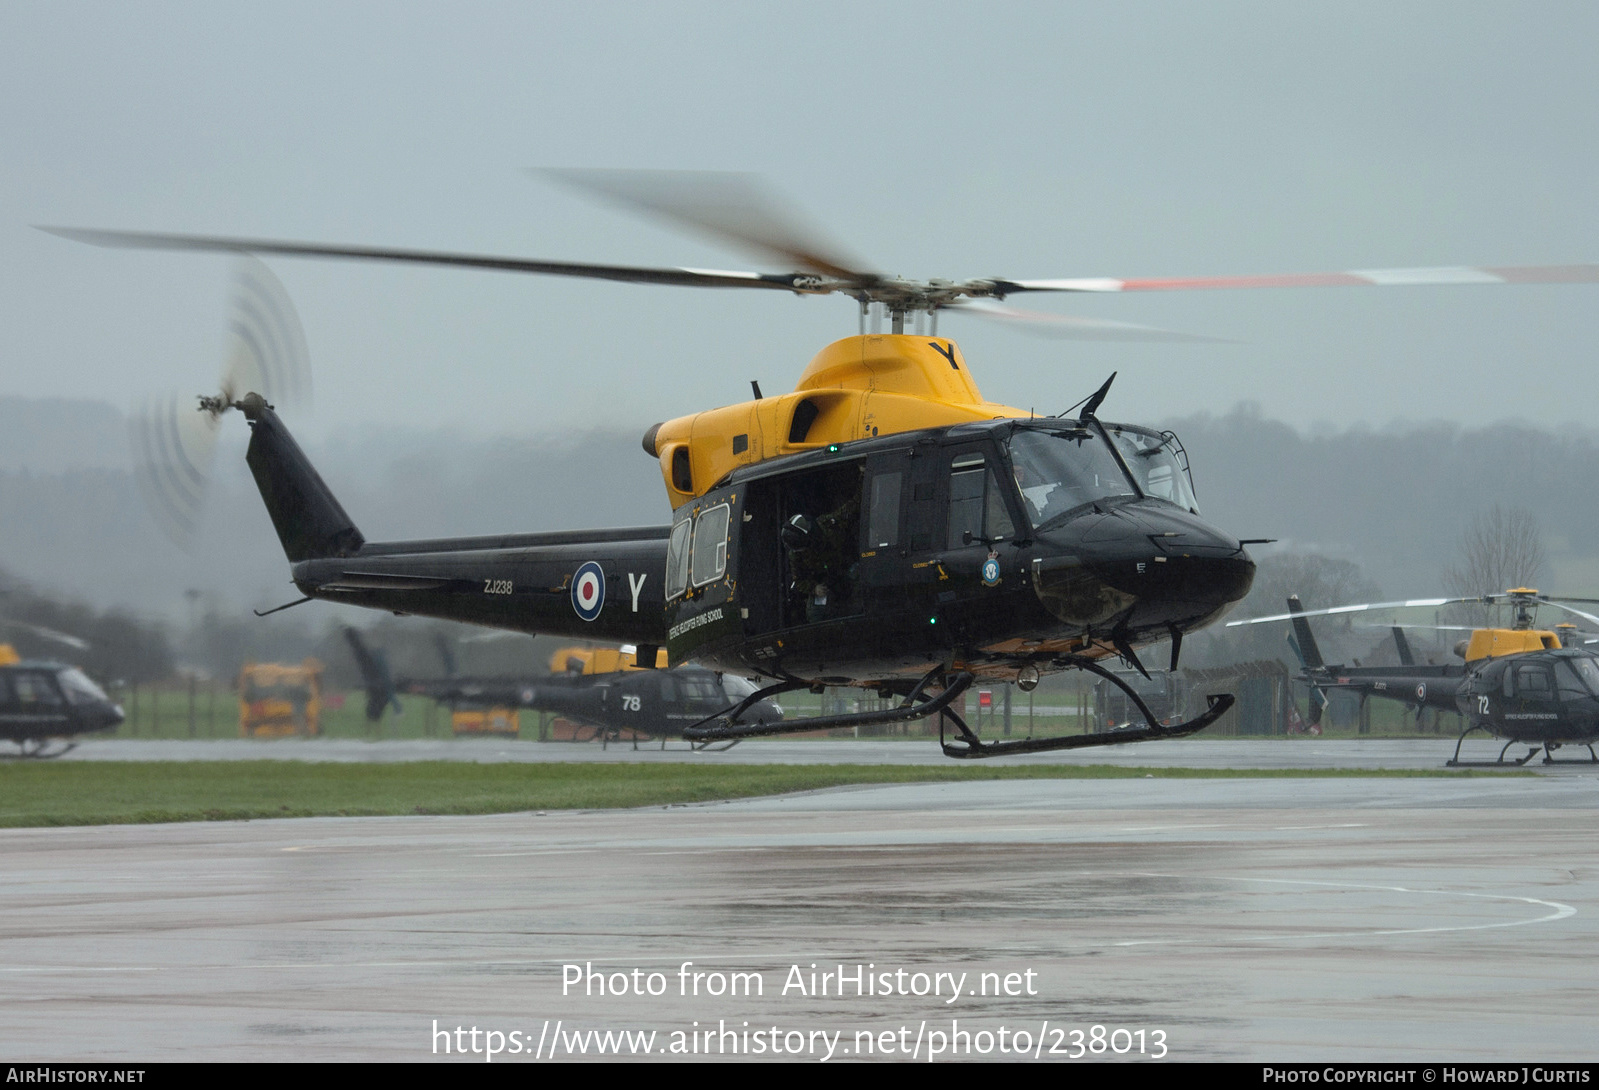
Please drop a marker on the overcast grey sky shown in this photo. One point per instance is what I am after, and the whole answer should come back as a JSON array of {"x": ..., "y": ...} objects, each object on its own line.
[{"x": 1022, "y": 140}]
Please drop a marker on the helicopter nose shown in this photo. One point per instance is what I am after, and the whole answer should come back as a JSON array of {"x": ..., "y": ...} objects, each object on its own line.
[{"x": 1153, "y": 563}]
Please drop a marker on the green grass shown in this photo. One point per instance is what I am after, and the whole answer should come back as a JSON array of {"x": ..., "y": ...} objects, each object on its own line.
[{"x": 101, "y": 793}]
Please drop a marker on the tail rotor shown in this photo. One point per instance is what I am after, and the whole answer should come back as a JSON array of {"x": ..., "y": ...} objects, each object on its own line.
[{"x": 174, "y": 445}]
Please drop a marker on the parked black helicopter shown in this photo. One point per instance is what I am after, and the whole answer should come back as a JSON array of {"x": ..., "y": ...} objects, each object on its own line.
[
  {"x": 881, "y": 526},
  {"x": 45, "y": 704},
  {"x": 639, "y": 700},
  {"x": 1523, "y": 684}
]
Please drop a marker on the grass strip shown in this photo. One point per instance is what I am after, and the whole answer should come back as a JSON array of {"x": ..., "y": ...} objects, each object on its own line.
[{"x": 124, "y": 792}]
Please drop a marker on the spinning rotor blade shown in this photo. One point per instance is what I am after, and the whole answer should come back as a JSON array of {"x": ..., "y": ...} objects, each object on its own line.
[
  {"x": 173, "y": 445},
  {"x": 46, "y": 633},
  {"x": 736, "y": 208},
  {"x": 1575, "y": 612},
  {"x": 1069, "y": 327},
  {"x": 174, "y": 442},
  {"x": 1479, "y": 599},
  {"x": 694, "y": 278},
  {"x": 1418, "y": 602},
  {"x": 1383, "y": 278}
]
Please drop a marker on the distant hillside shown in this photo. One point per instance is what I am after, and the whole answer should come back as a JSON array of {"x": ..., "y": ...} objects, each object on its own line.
[{"x": 1394, "y": 501}]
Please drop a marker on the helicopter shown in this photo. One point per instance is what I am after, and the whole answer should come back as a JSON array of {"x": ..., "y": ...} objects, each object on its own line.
[
  {"x": 881, "y": 526},
  {"x": 608, "y": 690},
  {"x": 1527, "y": 685},
  {"x": 45, "y": 704}
]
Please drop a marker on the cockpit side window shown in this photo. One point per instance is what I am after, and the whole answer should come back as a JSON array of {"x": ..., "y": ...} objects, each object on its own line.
[
  {"x": 976, "y": 504},
  {"x": 677, "y": 558},
  {"x": 1567, "y": 682}
]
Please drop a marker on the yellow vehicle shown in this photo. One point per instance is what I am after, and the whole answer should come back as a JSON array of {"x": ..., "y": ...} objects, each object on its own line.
[
  {"x": 279, "y": 699},
  {"x": 486, "y": 721},
  {"x": 600, "y": 660}
]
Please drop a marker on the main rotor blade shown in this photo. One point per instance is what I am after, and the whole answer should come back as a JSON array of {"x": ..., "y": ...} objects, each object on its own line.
[
  {"x": 697, "y": 278},
  {"x": 46, "y": 633},
  {"x": 1383, "y": 278},
  {"x": 1413, "y": 602},
  {"x": 1069, "y": 326},
  {"x": 737, "y": 208},
  {"x": 1569, "y": 609}
]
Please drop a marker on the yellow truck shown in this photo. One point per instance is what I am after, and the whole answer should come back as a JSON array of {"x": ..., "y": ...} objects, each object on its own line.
[{"x": 278, "y": 699}]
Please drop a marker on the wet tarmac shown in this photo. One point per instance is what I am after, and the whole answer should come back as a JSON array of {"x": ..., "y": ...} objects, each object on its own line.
[{"x": 1443, "y": 920}]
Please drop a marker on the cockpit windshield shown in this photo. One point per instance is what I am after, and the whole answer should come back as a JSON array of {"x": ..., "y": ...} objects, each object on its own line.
[
  {"x": 79, "y": 689},
  {"x": 1158, "y": 463},
  {"x": 1061, "y": 469}
]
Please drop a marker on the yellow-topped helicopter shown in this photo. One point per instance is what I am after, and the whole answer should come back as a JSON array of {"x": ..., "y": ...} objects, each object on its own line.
[
  {"x": 883, "y": 525},
  {"x": 1534, "y": 686}
]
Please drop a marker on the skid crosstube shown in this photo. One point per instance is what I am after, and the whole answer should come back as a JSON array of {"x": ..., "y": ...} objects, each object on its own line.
[{"x": 914, "y": 707}]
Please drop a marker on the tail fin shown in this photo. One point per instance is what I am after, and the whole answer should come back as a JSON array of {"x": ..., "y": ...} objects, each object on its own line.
[
  {"x": 1403, "y": 645},
  {"x": 1309, "y": 652},
  {"x": 309, "y": 521},
  {"x": 375, "y": 675},
  {"x": 1304, "y": 645}
]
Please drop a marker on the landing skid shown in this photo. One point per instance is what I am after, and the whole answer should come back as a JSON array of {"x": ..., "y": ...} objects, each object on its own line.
[
  {"x": 966, "y": 745},
  {"x": 38, "y": 749},
  {"x": 1548, "y": 750}
]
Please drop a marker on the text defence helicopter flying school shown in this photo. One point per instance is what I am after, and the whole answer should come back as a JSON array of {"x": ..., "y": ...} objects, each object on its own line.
[
  {"x": 1523, "y": 684},
  {"x": 880, "y": 526}
]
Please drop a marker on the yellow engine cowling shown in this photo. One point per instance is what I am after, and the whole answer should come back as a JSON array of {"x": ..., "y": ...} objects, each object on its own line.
[
  {"x": 1490, "y": 643},
  {"x": 854, "y": 389}
]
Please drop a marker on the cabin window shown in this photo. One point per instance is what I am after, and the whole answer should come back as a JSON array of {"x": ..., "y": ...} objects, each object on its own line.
[
  {"x": 710, "y": 545},
  {"x": 35, "y": 689},
  {"x": 882, "y": 522},
  {"x": 1534, "y": 683},
  {"x": 700, "y": 688},
  {"x": 976, "y": 505},
  {"x": 677, "y": 559}
]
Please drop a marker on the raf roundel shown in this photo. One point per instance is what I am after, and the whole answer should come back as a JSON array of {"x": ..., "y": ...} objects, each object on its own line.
[{"x": 588, "y": 591}]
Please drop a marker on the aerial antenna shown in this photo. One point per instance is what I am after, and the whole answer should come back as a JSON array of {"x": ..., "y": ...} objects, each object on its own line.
[{"x": 1093, "y": 401}]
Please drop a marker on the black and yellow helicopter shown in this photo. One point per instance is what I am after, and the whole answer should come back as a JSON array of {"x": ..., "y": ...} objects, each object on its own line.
[
  {"x": 45, "y": 705},
  {"x": 881, "y": 526},
  {"x": 1529, "y": 686},
  {"x": 605, "y": 689}
]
